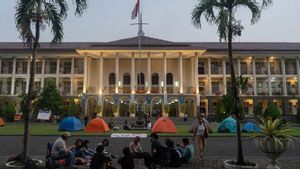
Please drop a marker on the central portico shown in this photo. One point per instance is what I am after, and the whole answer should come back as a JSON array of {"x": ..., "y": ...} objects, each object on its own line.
[{"x": 162, "y": 72}]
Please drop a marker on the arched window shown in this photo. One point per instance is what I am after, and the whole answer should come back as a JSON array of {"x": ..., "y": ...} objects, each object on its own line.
[
  {"x": 155, "y": 79},
  {"x": 169, "y": 79},
  {"x": 141, "y": 79},
  {"x": 112, "y": 79},
  {"x": 126, "y": 79}
]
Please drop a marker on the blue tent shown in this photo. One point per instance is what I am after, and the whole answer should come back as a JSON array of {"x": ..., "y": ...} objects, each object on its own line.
[
  {"x": 70, "y": 124},
  {"x": 227, "y": 125},
  {"x": 250, "y": 127}
]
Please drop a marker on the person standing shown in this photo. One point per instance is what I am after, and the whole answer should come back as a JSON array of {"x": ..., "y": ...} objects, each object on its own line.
[{"x": 200, "y": 134}]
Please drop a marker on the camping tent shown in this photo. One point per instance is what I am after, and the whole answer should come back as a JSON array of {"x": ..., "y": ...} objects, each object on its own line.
[
  {"x": 163, "y": 125},
  {"x": 250, "y": 127},
  {"x": 227, "y": 125},
  {"x": 70, "y": 124},
  {"x": 97, "y": 125},
  {"x": 2, "y": 123}
]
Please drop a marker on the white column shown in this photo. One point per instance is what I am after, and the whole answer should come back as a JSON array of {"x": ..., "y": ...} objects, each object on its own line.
[
  {"x": 269, "y": 77},
  {"x": 209, "y": 76},
  {"x": 149, "y": 72},
  {"x": 132, "y": 77},
  {"x": 43, "y": 73},
  {"x": 57, "y": 72},
  {"x": 165, "y": 78},
  {"x": 283, "y": 76},
  {"x": 165, "y": 73},
  {"x": 13, "y": 77},
  {"x": 254, "y": 76},
  {"x": 100, "y": 78},
  {"x": 197, "y": 79},
  {"x": 298, "y": 75},
  {"x": 85, "y": 78},
  {"x": 224, "y": 76},
  {"x": 72, "y": 75},
  {"x": 180, "y": 73},
  {"x": 239, "y": 66},
  {"x": 117, "y": 73},
  {"x": 28, "y": 74}
]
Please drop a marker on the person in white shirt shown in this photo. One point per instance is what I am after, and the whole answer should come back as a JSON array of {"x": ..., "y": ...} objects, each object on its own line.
[
  {"x": 200, "y": 134},
  {"x": 136, "y": 148},
  {"x": 61, "y": 151}
]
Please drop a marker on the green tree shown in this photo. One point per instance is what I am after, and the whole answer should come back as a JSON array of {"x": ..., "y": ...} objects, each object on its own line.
[
  {"x": 32, "y": 16},
  {"x": 258, "y": 110},
  {"x": 223, "y": 14},
  {"x": 50, "y": 98},
  {"x": 272, "y": 111},
  {"x": 9, "y": 111},
  {"x": 73, "y": 109}
]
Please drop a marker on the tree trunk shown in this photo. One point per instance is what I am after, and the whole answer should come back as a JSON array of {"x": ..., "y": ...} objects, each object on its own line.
[
  {"x": 30, "y": 96},
  {"x": 234, "y": 87}
]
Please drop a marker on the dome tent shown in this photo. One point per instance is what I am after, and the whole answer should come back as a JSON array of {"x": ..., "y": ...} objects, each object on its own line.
[
  {"x": 97, "y": 125},
  {"x": 70, "y": 124},
  {"x": 227, "y": 125},
  {"x": 163, "y": 125},
  {"x": 2, "y": 123},
  {"x": 250, "y": 127}
]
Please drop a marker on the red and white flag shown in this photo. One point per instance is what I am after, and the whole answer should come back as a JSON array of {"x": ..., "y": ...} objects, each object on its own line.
[{"x": 136, "y": 9}]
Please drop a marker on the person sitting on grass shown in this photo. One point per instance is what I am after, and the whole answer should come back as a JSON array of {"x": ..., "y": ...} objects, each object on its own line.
[
  {"x": 100, "y": 160},
  {"x": 105, "y": 143},
  {"x": 136, "y": 148},
  {"x": 79, "y": 154},
  {"x": 60, "y": 150},
  {"x": 158, "y": 152},
  {"x": 126, "y": 161},
  {"x": 88, "y": 152},
  {"x": 174, "y": 157},
  {"x": 187, "y": 149}
]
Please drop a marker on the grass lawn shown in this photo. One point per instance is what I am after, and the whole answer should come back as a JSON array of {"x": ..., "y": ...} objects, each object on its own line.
[{"x": 52, "y": 129}]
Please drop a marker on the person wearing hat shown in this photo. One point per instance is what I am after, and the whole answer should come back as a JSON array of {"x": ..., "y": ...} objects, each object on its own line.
[{"x": 61, "y": 151}]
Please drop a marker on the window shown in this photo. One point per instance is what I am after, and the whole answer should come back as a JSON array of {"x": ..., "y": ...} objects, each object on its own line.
[
  {"x": 21, "y": 67},
  {"x": 228, "y": 69},
  {"x": 78, "y": 66},
  {"x": 215, "y": 68},
  {"x": 215, "y": 87},
  {"x": 37, "y": 86},
  {"x": 244, "y": 68},
  {"x": 67, "y": 87},
  {"x": 7, "y": 66},
  {"x": 65, "y": 66},
  {"x": 38, "y": 67},
  {"x": 169, "y": 79},
  {"x": 112, "y": 79},
  {"x": 201, "y": 86},
  {"x": 155, "y": 79},
  {"x": 201, "y": 68},
  {"x": 50, "y": 66},
  {"x": 79, "y": 87},
  {"x": 141, "y": 79},
  {"x": 126, "y": 79}
]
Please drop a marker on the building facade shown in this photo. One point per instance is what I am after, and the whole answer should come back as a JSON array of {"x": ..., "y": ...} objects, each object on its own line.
[{"x": 117, "y": 74}]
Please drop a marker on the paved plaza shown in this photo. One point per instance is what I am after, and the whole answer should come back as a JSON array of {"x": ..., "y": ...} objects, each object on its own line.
[{"x": 218, "y": 149}]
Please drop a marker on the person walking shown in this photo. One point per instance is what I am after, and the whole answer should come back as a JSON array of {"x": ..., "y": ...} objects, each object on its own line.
[{"x": 200, "y": 134}]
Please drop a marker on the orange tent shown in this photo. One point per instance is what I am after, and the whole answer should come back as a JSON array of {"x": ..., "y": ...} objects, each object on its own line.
[
  {"x": 2, "y": 123},
  {"x": 163, "y": 125},
  {"x": 97, "y": 125}
]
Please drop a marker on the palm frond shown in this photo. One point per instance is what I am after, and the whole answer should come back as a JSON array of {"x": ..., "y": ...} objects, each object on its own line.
[
  {"x": 81, "y": 6},
  {"x": 54, "y": 19},
  {"x": 204, "y": 8},
  {"x": 253, "y": 6}
]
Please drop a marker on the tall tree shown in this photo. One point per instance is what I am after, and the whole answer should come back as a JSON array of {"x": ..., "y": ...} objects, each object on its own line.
[
  {"x": 223, "y": 14},
  {"x": 32, "y": 16}
]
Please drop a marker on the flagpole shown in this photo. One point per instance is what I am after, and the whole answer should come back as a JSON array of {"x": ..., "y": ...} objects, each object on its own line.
[{"x": 140, "y": 33}]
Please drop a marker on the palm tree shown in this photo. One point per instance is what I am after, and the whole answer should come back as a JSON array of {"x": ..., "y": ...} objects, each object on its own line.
[
  {"x": 32, "y": 16},
  {"x": 223, "y": 14}
]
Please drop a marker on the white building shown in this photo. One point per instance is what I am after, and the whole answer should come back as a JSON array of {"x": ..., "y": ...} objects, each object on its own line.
[{"x": 164, "y": 72}]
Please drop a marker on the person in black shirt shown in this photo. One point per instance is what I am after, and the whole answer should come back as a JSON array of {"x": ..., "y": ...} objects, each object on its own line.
[
  {"x": 126, "y": 161},
  {"x": 173, "y": 155},
  {"x": 99, "y": 160},
  {"x": 158, "y": 152}
]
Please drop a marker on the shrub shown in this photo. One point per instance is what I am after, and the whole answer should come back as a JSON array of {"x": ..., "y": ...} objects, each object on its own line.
[
  {"x": 258, "y": 110},
  {"x": 166, "y": 108},
  {"x": 221, "y": 114},
  {"x": 9, "y": 111},
  {"x": 272, "y": 111}
]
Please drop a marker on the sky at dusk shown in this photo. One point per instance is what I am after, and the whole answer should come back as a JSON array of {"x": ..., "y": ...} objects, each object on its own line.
[{"x": 107, "y": 20}]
